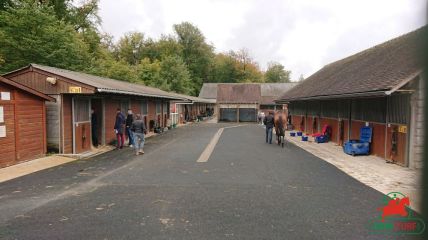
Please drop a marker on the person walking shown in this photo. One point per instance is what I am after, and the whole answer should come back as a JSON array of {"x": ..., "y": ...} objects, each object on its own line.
[
  {"x": 129, "y": 121},
  {"x": 139, "y": 129},
  {"x": 94, "y": 127},
  {"x": 119, "y": 128},
  {"x": 269, "y": 123}
]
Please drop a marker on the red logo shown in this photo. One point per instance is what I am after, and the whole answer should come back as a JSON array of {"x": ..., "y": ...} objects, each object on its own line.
[
  {"x": 396, "y": 217},
  {"x": 395, "y": 206}
]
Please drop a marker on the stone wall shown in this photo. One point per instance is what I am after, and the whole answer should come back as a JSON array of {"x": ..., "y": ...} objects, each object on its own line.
[{"x": 417, "y": 125}]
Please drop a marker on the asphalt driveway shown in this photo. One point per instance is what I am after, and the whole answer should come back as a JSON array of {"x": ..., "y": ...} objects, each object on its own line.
[{"x": 246, "y": 190}]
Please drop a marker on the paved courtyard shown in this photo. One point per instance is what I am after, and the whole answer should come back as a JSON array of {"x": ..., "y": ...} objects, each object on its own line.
[
  {"x": 191, "y": 184},
  {"x": 370, "y": 170}
]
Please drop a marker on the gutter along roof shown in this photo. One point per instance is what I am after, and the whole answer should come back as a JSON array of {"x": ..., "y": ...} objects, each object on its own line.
[{"x": 192, "y": 99}]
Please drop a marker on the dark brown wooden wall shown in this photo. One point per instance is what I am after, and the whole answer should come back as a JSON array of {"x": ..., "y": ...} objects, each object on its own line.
[
  {"x": 400, "y": 157},
  {"x": 152, "y": 113},
  {"x": 334, "y": 124},
  {"x": 309, "y": 125},
  {"x": 7, "y": 144},
  {"x": 67, "y": 124},
  {"x": 111, "y": 106},
  {"x": 30, "y": 112},
  {"x": 37, "y": 80},
  {"x": 83, "y": 137},
  {"x": 377, "y": 147},
  {"x": 25, "y": 125},
  {"x": 296, "y": 120}
]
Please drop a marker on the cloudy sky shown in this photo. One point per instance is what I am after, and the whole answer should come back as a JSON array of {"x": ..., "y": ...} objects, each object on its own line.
[{"x": 303, "y": 35}]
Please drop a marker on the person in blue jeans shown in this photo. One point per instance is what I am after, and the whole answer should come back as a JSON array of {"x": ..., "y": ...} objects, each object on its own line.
[
  {"x": 119, "y": 124},
  {"x": 138, "y": 129},
  {"x": 129, "y": 121},
  {"x": 269, "y": 123}
]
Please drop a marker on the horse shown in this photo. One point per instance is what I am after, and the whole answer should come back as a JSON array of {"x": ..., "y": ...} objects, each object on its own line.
[{"x": 280, "y": 122}]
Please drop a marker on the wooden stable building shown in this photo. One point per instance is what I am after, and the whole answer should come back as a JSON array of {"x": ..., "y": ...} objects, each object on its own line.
[
  {"x": 381, "y": 87},
  {"x": 241, "y": 102},
  {"x": 69, "y": 117},
  {"x": 189, "y": 110},
  {"x": 22, "y": 123}
]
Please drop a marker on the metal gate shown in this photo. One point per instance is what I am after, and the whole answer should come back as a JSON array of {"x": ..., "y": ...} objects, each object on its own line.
[
  {"x": 247, "y": 115},
  {"x": 228, "y": 114}
]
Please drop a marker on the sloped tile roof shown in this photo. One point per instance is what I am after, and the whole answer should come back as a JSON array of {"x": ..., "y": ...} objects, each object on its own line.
[
  {"x": 208, "y": 90},
  {"x": 271, "y": 91},
  {"x": 238, "y": 93},
  {"x": 376, "y": 69}
]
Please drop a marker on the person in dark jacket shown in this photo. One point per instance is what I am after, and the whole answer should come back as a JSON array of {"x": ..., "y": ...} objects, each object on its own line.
[
  {"x": 139, "y": 129},
  {"x": 94, "y": 127},
  {"x": 129, "y": 121},
  {"x": 119, "y": 128},
  {"x": 269, "y": 123}
]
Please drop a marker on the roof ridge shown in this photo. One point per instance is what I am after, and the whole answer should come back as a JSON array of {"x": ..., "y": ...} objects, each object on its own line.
[
  {"x": 84, "y": 73},
  {"x": 380, "y": 67},
  {"x": 377, "y": 46},
  {"x": 97, "y": 76}
]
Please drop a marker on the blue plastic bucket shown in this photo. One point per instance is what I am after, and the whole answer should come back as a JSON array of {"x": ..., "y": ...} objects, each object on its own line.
[
  {"x": 299, "y": 134},
  {"x": 305, "y": 138},
  {"x": 292, "y": 134}
]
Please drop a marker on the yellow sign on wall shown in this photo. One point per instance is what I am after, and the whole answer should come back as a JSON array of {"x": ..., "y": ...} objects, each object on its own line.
[
  {"x": 402, "y": 129},
  {"x": 74, "y": 89}
]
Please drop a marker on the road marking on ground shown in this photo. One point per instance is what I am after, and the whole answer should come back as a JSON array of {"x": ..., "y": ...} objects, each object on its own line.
[
  {"x": 210, "y": 147},
  {"x": 235, "y": 126}
]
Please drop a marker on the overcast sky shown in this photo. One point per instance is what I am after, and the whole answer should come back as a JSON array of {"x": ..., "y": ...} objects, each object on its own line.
[{"x": 303, "y": 35}]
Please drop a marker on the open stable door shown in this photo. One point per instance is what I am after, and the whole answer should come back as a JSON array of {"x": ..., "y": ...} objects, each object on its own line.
[{"x": 81, "y": 125}]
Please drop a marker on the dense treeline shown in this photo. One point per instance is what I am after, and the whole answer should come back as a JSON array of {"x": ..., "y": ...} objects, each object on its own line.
[{"x": 60, "y": 34}]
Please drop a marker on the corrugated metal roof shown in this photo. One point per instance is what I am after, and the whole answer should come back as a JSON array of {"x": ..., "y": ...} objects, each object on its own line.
[
  {"x": 107, "y": 84},
  {"x": 375, "y": 70},
  {"x": 197, "y": 99}
]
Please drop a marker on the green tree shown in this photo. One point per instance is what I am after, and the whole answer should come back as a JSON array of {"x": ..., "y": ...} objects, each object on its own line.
[
  {"x": 223, "y": 69},
  {"x": 130, "y": 48},
  {"x": 247, "y": 69},
  {"x": 4, "y": 4},
  {"x": 196, "y": 53},
  {"x": 30, "y": 32},
  {"x": 168, "y": 46},
  {"x": 119, "y": 70},
  {"x": 276, "y": 73},
  {"x": 149, "y": 72},
  {"x": 174, "y": 76}
]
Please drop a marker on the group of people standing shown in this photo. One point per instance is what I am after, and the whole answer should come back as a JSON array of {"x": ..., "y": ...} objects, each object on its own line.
[{"x": 133, "y": 127}]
